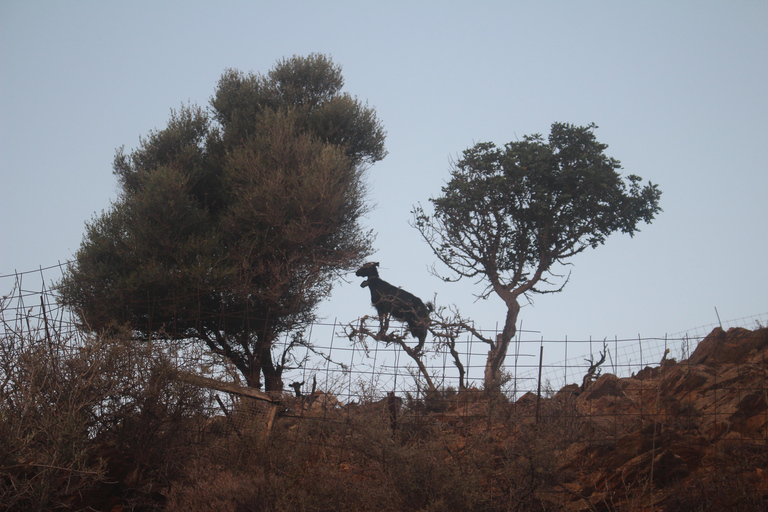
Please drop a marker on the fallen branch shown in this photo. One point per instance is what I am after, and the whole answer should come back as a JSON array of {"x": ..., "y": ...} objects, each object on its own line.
[{"x": 226, "y": 387}]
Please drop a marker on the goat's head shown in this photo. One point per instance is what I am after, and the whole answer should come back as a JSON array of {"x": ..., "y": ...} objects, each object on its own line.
[
  {"x": 368, "y": 270},
  {"x": 297, "y": 387}
]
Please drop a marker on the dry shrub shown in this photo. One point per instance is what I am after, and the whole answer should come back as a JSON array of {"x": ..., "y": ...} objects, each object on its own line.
[
  {"x": 88, "y": 422},
  {"x": 526, "y": 469},
  {"x": 297, "y": 468},
  {"x": 340, "y": 463},
  {"x": 735, "y": 481}
]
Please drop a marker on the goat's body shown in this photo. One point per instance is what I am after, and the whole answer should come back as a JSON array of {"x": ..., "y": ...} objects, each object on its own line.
[{"x": 391, "y": 300}]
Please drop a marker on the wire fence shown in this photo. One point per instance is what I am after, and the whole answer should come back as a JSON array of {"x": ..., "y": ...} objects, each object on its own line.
[
  {"x": 563, "y": 438},
  {"x": 339, "y": 365}
]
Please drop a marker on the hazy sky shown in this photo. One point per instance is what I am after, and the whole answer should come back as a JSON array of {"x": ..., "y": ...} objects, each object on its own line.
[{"x": 678, "y": 89}]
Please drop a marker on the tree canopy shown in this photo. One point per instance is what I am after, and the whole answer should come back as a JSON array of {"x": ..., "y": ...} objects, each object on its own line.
[
  {"x": 509, "y": 216},
  {"x": 233, "y": 222}
]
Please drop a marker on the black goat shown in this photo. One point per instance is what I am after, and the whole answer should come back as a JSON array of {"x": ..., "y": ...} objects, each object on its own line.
[
  {"x": 297, "y": 388},
  {"x": 391, "y": 300}
]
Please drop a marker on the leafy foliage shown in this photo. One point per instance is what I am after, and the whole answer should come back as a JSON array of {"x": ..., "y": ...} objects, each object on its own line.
[
  {"x": 232, "y": 223},
  {"x": 508, "y": 215}
]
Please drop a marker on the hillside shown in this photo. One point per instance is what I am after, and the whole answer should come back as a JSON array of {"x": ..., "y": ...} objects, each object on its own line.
[{"x": 680, "y": 436}]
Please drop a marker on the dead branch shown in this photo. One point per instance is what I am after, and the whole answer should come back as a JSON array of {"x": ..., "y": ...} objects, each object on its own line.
[
  {"x": 594, "y": 367},
  {"x": 447, "y": 327},
  {"x": 359, "y": 334},
  {"x": 226, "y": 387}
]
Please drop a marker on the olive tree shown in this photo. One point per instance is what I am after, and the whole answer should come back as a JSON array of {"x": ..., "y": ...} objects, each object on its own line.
[
  {"x": 508, "y": 217},
  {"x": 233, "y": 222}
]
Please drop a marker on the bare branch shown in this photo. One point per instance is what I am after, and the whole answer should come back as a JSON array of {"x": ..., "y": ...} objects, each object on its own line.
[
  {"x": 358, "y": 334},
  {"x": 594, "y": 368}
]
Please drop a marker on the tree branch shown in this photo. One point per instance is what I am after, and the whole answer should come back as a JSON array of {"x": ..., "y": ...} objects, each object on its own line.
[{"x": 353, "y": 332}]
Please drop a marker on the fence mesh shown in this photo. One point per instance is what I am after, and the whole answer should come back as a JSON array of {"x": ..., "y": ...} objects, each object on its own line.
[
  {"x": 616, "y": 441},
  {"x": 30, "y": 305}
]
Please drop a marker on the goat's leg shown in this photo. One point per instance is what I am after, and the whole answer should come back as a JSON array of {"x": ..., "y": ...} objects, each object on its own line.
[
  {"x": 420, "y": 345},
  {"x": 384, "y": 324}
]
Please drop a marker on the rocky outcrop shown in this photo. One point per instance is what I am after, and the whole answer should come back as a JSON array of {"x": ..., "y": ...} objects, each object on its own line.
[{"x": 689, "y": 435}]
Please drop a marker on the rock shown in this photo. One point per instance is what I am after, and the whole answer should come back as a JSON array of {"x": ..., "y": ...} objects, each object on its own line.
[
  {"x": 668, "y": 468},
  {"x": 695, "y": 429},
  {"x": 568, "y": 391},
  {"x": 528, "y": 399},
  {"x": 605, "y": 385},
  {"x": 730, "y": 346}
]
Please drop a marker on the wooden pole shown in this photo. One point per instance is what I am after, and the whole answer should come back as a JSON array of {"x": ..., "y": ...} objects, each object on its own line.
[{"x": 205, "y": 382}]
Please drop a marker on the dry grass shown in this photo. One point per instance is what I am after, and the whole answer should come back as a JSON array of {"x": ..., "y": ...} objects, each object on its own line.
[{"x": 102, "y": 424}]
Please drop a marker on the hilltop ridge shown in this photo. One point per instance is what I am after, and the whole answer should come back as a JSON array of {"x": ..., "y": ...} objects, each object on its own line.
[{"x": 694, "y": 431}]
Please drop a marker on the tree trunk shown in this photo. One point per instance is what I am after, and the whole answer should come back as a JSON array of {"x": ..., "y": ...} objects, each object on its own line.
[
  {"x": 252, "y": 375},
  {"x": 498, "y": 352},
  {"x": 273, "y": 375},
  {"x": 415, "y": 355}
]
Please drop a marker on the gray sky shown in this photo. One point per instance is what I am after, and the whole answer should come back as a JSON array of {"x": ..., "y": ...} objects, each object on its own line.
[{"x": 678, "y": 90}]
